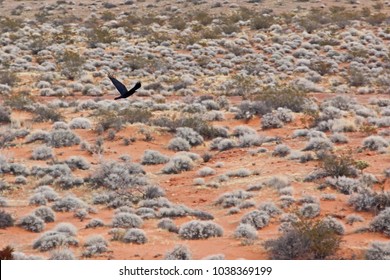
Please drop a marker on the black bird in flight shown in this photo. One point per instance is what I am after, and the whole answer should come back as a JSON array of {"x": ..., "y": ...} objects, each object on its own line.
[{"x": 122, "y": 88}]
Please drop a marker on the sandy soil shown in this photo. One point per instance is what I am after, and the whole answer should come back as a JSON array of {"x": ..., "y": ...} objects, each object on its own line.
[{"x": 180, "y": 188}]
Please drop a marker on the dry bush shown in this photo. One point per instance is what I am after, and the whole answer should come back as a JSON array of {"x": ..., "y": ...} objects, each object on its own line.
[
  {"x": 9, "y": 78},
  {"x": 20, "y": 101},
  {"x": 200, "y": 230},
  {"x": 339, "y": 165},
  {"x": 262, "y": 22},
  {"x": 96, "y": 35},
  {"x": 71, "y": 64},
  {"x": 285, "y": 97},
  {"x": 305, "y": 239}
]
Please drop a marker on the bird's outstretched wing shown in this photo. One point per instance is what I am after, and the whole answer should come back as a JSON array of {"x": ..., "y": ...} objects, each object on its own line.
[
  {"x": 119, "y": 86},
  {"x": 131, "y": 91}
]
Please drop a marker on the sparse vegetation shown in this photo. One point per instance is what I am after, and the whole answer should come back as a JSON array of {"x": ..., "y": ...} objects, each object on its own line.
[{"x": 234, "y": 95}]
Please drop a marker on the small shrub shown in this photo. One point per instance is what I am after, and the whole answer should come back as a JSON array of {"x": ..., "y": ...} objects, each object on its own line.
[
  {"x": 214, "y": 257},
  {"x": 153, "y": 157},
  {"x": 71, "y": 64},
  {"x": 177, "y": 164},
  {"x": 5, "y": 115},
  {"x": 257, "y": 219},
  {"x": 3, "y": 202},
  {"x": 53, "y": 239},
  {"x": 179, "y": 144},
  {"x": 291, "y": 245},
  {"x": 153, "y": 192},
  {"x": 173, "y": 212},
  {"x": 262, "y": 22},
  {"x": 304, "y": 240},
  {"x": 47, "y": 192},
  {"x": 334, "y": 224},
  {"x": 339, "y": 138},
  {"x": 338, "y": 165},
  {"x": 381, "y": 222},
  {"x": 135, "y": 115},
  {"x": 62, "y": 254},
  {"x": 77, "y": 162},
  {"x": 318, "y": 144},
  {"x": 328, "y": 197},
  {"x": 271, "y": 120},
  {"x": 278, "y": 182},
  {"x": 80, "y": 123},
  {"x": 66, "y": 228},
  {"x": 281, "y": 150},
  {"x": 364, "y": 200},
  {"x": 246, "y": 232},
  {"x": 187, "y": 133},
  {"x": 118, "y": 176},
  {"x": 357, "y": 77},
  {"x": 37, "y": 199},
  {"x": 45, "y": 213},
  {"x": 241, "y": 130},
  {"x": 378, "y": 251},
  {"x": 42, "y": 153},
  {"x": 353, "y": 218},
  {"x": 6, "y": 219},
  {"x": 206, "y": 171},
  {"x": 179, "y": 252},
  {"x": 126, "y": 220},
  {"x": 225, "y": 144},
  {"x": 283, "y": 97},
  {"x": 44, "y": 113},
  {"x": 202, "y": 215},
  {"x": 81, "y": 214},
  {"x": 200, "y": 230},
  {"x": 68, "y": 203},
  {"x": 94, "y": 223},
  {"x": 95, "y": 244},
  {"x": 207, "y": 156},
  {"x": 344, "y": 184},
  {"x": 310, "y": 210},
  {"x": 199, "y": 181},
  {"x": 242, "y": 172},
  {"x": 168, "y": 224},
  {"x": 250, "y": 140},
  {"x": 20, "y": 180},
  {"x": 270, "y": 208},
  {"x": 22, "y": 256},
  {"x": 38, "y": 135},
  {"x": 63, "y": 138},
  {"x": 20, "y": 101},
  {"x": 135, "y": 235},
  {"x": 31, "y": 223},
  {"x": 375, "y": 143}
]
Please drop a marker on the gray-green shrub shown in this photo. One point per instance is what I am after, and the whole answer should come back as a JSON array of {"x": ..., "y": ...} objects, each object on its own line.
[{"x": 200, "y": 230}]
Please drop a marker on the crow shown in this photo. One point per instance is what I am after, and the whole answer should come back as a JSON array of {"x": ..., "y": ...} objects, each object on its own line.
[{"x": 122, "y": 88}]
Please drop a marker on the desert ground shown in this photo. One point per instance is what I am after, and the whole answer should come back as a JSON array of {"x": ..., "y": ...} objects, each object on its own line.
[{"x": 261, "y": 130}]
